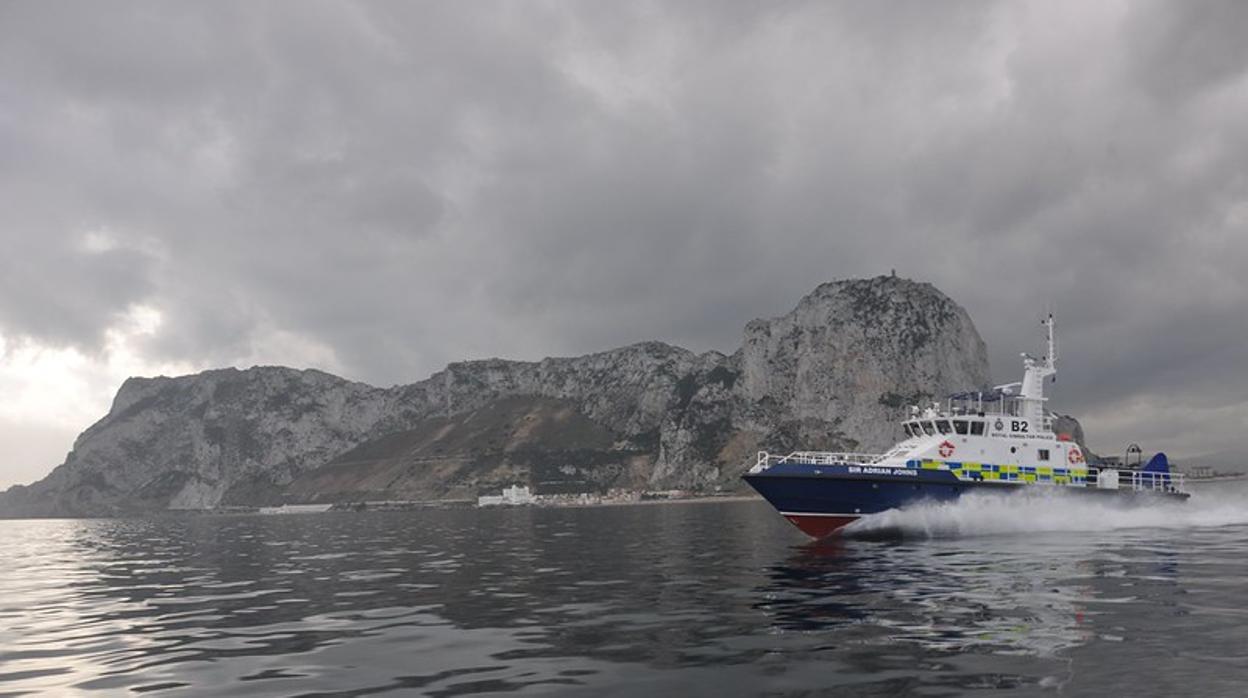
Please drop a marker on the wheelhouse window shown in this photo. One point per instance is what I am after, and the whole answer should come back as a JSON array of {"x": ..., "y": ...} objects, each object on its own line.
[
  {"x": 929, "y": 428},
  {"x": 906, "y": 426},
  {"x": 959, "y": 426},
  {"x": 1042, "y": 454},
  {"x": 943, "y": 426},
  {"x": 977, "y": 428}
]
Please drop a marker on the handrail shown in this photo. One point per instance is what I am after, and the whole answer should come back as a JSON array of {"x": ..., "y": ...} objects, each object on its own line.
[
  {"x": 830, "y": 457},
  {"x": 1141, "y": 480},
  {"x": 766, "y": 460}
]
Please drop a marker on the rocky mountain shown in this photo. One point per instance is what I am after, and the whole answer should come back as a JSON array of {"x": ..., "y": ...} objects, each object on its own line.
[
  {"x": 834, "y": 373},
  {"x": 545, "y": 442}
]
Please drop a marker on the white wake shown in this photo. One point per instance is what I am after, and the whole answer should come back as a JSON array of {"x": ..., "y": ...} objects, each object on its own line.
[{"x": 1047, "y": 509}]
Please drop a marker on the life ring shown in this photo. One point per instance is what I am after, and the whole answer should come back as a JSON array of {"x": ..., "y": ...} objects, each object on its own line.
[
  {"x": 1075, "y": 456},
  {"x": 946, "y": 449}
]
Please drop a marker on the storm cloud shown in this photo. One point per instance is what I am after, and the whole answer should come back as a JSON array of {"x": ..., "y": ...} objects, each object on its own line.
[{"x": 379, "y": 188}]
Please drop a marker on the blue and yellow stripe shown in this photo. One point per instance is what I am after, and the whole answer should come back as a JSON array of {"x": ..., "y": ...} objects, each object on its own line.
[{"x": 967, "y": 470}]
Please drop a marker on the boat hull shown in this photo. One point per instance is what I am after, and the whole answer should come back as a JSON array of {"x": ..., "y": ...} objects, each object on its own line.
[{"x": 824, "y": 499}]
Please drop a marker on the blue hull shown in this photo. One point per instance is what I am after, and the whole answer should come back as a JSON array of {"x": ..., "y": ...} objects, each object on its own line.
[
  {"x": 822, "y": 499},
  {"x": 819, "y": 499}
]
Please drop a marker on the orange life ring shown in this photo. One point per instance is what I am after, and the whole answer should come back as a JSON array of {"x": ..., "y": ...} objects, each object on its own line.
[
  {"x": 1075, "y": 456},
  {"x": 946, "y": 449}
]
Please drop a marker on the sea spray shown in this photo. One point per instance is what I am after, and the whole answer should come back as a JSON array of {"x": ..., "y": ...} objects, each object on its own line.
[{"x": 1045, "y": 509}]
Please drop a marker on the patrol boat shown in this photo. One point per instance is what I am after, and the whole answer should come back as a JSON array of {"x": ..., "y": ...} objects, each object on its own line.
[{"x": 1001, "y": 440}]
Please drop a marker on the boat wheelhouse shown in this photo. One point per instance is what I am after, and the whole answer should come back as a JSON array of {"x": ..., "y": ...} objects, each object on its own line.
[{"x": 1001, "y": 439}]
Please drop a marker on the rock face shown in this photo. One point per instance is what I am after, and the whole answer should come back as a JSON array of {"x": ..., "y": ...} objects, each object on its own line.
[
  {"x": 200, "y": 441},
  {"x": 545, "y": 442},
  {"x": 855, "y": 354},
  {"x": 835, "y": 373}
]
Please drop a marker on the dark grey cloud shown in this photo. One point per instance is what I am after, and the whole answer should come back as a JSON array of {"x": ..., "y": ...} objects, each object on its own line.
[{"x": 412, "y": 183}]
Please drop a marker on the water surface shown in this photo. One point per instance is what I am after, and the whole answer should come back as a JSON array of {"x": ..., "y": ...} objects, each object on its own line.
[{"x": 671, "y": 599}]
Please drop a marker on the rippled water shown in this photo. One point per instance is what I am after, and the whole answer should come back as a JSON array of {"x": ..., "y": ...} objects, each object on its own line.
[{"x": 671, "y": 599}]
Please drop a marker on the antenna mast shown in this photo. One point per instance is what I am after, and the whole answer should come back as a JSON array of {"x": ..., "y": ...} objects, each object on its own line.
[
  {"x": 1031, "y": 396},
  {"x": 1052, "y": 356}
]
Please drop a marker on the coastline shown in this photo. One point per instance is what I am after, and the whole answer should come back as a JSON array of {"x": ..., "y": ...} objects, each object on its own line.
[
  {"x": 696, "y": 499},
  {"x": 1217, "y": 478},
  {"x": 398, "y": 505}
]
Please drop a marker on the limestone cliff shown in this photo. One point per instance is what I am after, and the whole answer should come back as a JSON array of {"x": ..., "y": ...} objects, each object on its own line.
[
  {"x": 197, "y": 441},
  {"x": 836, "y": 372}
]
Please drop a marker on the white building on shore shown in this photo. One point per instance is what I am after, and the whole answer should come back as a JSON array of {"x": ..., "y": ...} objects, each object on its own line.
[{"x": 511, "y": 496}]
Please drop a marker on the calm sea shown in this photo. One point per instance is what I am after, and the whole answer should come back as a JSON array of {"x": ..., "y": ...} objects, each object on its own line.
[{"x": 711, "y": 599}]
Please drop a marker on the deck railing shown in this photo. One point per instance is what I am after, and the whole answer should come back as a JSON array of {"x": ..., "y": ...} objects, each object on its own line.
[
  {"x": 1139, "y": 480},
  {"x": 766, "y": 460}
]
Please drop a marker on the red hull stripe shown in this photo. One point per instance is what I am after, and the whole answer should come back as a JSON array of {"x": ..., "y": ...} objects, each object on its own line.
[{"x": 820, "y": 525}]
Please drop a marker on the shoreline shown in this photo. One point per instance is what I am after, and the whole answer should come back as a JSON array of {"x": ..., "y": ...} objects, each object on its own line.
[
  {"x": 1217, "y": 478},
  {"x": 395, "y": 505},
  {"x": 701, "y": 499}
]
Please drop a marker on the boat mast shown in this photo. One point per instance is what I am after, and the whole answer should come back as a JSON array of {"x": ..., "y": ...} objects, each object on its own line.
[{"x": 1031, "y": 398}]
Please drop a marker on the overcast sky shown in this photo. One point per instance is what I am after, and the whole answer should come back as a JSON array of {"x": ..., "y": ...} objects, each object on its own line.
[{"x": 376, "y": 189}]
